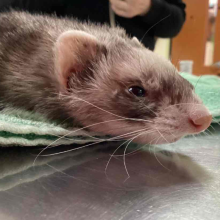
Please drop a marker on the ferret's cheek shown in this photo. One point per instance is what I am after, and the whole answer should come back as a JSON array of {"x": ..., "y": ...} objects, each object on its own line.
[
  {"x": 114, "y": 92},
  {"x": 119, "y": 129}
]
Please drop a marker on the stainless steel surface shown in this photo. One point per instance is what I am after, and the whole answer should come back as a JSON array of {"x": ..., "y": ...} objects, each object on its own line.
[{"x": 181, "y": 182}]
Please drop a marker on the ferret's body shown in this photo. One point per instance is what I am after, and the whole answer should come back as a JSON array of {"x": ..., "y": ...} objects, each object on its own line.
[
  {"x": 86, "y": 73},
  {"x": 27, "y": 74}
]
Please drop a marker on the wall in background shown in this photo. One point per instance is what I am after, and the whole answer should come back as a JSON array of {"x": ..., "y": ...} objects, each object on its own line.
[{"x": 162, "y": 47}]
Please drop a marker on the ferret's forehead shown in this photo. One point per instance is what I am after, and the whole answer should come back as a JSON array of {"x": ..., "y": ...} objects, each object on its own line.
[
  {"x": 139, "y": 63},
  {"x": 148, "y": 68}
]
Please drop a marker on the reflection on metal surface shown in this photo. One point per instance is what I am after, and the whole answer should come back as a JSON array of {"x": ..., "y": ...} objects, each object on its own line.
[{"x": 177, "y": 181}]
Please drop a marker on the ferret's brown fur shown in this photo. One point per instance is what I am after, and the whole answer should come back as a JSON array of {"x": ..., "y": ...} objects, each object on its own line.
[{"x": 65, "y": 69}]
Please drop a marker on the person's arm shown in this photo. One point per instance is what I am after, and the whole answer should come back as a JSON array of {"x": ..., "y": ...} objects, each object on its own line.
[
  {"x": 45, "y": 6},
  {"x": 165, "y": 17}
]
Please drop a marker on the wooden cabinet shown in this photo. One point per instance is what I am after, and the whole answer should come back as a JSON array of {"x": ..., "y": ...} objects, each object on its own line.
[{"x": 190, "y": 44}]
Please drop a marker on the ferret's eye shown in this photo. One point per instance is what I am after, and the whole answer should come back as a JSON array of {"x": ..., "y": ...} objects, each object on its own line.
[{"x": 137, "y": 91}]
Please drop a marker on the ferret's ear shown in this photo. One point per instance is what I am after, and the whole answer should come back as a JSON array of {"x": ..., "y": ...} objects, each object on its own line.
[
  {"x": 74, "y": 50},
  {"x": 134, "y": 39}
]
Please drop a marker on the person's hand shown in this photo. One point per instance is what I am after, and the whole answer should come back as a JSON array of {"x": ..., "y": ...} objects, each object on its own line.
[{"x": 130, "y": 8}]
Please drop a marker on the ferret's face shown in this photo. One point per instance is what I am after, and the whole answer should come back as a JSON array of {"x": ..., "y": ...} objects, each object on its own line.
[{"x": 130, "y": 92}]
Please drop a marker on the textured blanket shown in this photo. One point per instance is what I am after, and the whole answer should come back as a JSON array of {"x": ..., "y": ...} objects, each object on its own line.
[{"x": 25, "y": 129}]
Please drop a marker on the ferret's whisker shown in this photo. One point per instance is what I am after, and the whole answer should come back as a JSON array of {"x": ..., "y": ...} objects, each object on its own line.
[
  {"x": 72, "y": 132},
  {"x": 90, "y": 144},
  {"x": 62, "y": 122},
  {"x": 190, "y": 103},
  {"x": 123, "y": 154},
  {"x": 212, "y": 128},
  {"x": 132, "y": 119},
  {"x": 115, "y": 137},
  {"x": 106, "y": 167},
  {"x": 195, "y": 136},
  {"x": 197, "y": 81},
  {"x": 126, "y": 169},
  {"x": 216, "y": 121},
  {"x": 154, "y": 26},
  {"x": 130, "y": 153},
  {"x": 71, "y": 176},
  {"x": 154, "y": 151},
  {"x": 127, "y": 134},
  {"x": 162, "y": 136},
  {"x": 208, "y": 130},
  {"x": 172, "y": 133},
  {"x": 69, "y": 133},
  {"x": 80, "y": 99},
  {"x": 206, "y": 133}
]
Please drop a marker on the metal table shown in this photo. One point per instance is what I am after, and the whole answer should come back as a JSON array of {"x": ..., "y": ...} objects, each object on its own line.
[{"x": 176, "y": 181}]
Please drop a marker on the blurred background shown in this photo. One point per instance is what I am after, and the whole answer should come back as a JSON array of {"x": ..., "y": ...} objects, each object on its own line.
[
  {"x": 199, "y": 39},
  {"x": 186, "y": 32}
]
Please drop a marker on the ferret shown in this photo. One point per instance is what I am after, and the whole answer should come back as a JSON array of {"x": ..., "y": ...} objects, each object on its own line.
[{"x": 96, "y": 77}]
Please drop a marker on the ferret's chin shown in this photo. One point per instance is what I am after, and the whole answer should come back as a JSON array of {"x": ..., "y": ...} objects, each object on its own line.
[{"x": 157, "y": 140}]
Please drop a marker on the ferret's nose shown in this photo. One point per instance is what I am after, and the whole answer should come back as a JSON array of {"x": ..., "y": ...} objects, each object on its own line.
[{"x": 201, "y": 123}]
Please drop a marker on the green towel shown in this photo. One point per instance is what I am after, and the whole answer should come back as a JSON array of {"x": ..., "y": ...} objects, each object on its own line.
[
  {"x": 207, "y": 87},
  {"x": 27, "y": 129}
]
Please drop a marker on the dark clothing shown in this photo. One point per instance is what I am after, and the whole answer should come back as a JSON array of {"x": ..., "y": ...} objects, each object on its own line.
[{"x": 98, "y": 11}]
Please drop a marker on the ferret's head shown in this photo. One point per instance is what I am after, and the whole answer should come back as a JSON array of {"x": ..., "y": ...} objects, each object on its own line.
[{"x": 115, "y": 86}]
